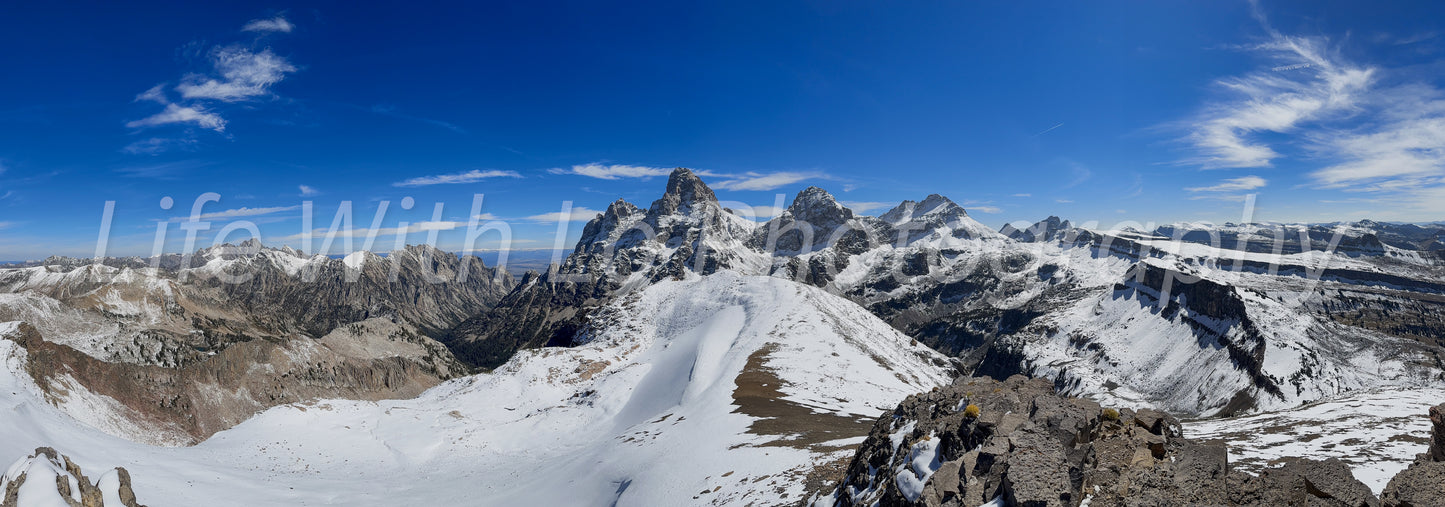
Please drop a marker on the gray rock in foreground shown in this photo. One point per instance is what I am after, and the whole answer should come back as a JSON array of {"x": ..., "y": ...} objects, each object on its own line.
[{"x": 1028, "y": 446}]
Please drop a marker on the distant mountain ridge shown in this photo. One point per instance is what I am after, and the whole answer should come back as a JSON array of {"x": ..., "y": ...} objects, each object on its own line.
[
  {"x": 174, "y": 355},
  {"x": 1055, "y": 300}
]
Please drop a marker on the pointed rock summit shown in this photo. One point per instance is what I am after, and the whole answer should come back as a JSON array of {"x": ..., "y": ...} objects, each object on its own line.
[
  {"x": 933, "y": 205},
  {"x": 1047, "y": 229},
  {"x": 817, "y": 206},
  {"x": 684, "y": 191},
  {"x": 605, "y": 227}
]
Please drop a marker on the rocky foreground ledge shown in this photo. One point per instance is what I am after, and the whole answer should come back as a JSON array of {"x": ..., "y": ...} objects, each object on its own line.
[
  {"x": 49, "y": 478},
  {"x": 981, "y": 441}
]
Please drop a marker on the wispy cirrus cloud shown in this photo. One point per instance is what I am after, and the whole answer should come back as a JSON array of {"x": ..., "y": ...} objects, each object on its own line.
[
  {"x": 276, "y": 24},
  {"x": 866, "y": 206},
  {"x": 1405, "y": 149},
  {"x": 471, "y": 176},
  {"x": 174, "y": 113},
  {"x": 1367, "y": 128},
  {"x": 1229, "y": 189},
  {"x": 578, "y": 214},
  {"x": 237, "y": 73},
  {"x": 239, "y": 213},
  {"x": 158, "y": 145},
  {"x": 163, "y": 171},
  {"x": 726, "y": 181},
  {"x": 392, "y": 111},
  {"x": 1306, "y": 81},
  {"x": 613, "y": 171},
  {"x": 241, "y": 74},
  {"x": 1233, "y": 185},
  {"x": 440, "y": 225},
  {"x": 765, "y": 181},
  {"x": 307, "y": 191}
]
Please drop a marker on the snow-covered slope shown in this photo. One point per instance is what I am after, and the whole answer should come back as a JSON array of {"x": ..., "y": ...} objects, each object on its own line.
[
  {"x": 710, "y": 390},
  {"x": 1241, "y": 329},
  {"x": 1377, "y": 432}
]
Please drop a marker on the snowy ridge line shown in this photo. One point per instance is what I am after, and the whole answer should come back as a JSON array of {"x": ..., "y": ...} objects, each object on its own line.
[{"x": 658, "y": 384}]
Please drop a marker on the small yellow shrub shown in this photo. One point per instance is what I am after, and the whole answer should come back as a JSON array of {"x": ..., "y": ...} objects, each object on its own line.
[
  {"x": 971, "y": 411},
  {"x": 1111, "y": 414}
]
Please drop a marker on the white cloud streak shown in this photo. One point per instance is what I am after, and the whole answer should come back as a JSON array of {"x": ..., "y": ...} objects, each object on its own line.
[
  {"x": 175, "y": 113},
  {"x": 276, "y": 24},
  {"x": 1367, "y": 128},
  {"x": 613, "y": 172},
  {"x": 155, "y": 94},
  {"x": 770, "y": 181},
  {"x": 866, "y": 206},
  {"x": 578, "y": 214},
  {"x": 307, "y": 191},
  {"x": 244, "y": 74},
  {"x": 471, "y": 176},
  {"x": 1233, "y": 185},
  {"x": 1306, "y": 83},
  {"x": 239, "y": 212},
  {"x": 1228, "y": 190},
  {"x": 744, "y": 181},
  {"x": 383, "y": 231}
]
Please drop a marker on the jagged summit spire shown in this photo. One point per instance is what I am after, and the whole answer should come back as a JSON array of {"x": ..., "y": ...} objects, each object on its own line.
[
  {"x": 939, "y": 202},
  {"x": 684, "y": 189},
  {"x": 1044, "y": 230},
  {"x": 934, "y": 204},
  {"x": 812, "y": 195},
  {"x": 816, "y": 204}
]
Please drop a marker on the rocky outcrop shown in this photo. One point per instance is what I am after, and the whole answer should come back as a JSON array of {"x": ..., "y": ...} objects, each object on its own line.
[
  {"x": 371, "y": 360},
  {"x": 1423, "y": 483},
  {"x": 684, "y": 231},
  {"x": 430, "y": 288},
  {"x": 815, "y": 221},
  {"x": 1048, "y": 229},
  {"x": 50, "y": 478},
  {"x": 536, "y": 314},
  {"x": 1016, "y": 442}
]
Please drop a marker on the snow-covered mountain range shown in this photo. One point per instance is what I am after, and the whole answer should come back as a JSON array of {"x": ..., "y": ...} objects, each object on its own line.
[
  {"x": 1113, "y": 315},
  {"x": 683, "y": 352}
]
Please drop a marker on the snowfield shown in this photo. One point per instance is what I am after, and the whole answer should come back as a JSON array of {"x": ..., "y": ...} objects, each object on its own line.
[
  {"x": 1377, "y": 432},
  {"x": 723, "y": 389}
]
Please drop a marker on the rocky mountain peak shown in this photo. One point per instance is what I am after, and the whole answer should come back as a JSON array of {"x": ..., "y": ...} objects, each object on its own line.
[
  {"x": 1044, "y": 230},
  {"x": 936, "y": 202},
  {"x": 934, "y": 205},
  {"x": 816, "y": 205},
  {"x": 684, "y": 191},
  {"x": 601, "y": 229}
]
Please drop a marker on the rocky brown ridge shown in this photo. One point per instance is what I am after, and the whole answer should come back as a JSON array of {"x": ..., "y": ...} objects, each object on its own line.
[
  {"x": 372, "y": 360},
  {"x": 91, "y": 494},
  {"x": 1017, "y": 442},
  {"x": 178, "y": 355}
]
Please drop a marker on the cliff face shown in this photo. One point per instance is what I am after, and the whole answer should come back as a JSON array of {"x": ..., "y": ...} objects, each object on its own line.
[
  {"x": 172, "y": 356},
  {"x": 370, "y": 360}
]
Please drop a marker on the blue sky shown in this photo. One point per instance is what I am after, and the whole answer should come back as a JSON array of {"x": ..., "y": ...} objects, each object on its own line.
[{"x": 1094, "y": 111}]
